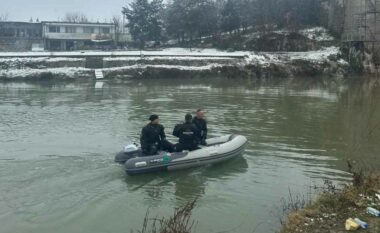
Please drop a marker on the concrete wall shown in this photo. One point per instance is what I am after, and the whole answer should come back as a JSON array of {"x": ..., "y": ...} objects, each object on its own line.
[
  {"x": 361, "y": 21},
  {"x": 336, "y": 17},
  {"x": 18, "y": 45}
]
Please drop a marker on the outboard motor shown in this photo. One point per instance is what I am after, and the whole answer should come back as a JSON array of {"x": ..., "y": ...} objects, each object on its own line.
[
  {"x": 130, "y": 151},
  {"x": 130, "y": 148}
]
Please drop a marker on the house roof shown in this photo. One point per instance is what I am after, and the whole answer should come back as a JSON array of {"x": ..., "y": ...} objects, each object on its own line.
[
  {"x": 18, "y": 22},
  {"x": 78, "y": 23}
]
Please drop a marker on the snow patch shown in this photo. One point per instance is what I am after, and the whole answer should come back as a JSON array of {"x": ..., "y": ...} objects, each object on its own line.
[
  {"x": 39, "y": 59},
  {"x": 316, "y": 56},
  {"x": 166, "y": 58},
  {"x": 283, "y": 57},
  {"x": 14, "y": 73},
  {"x": 317, "y": 34},
  {"x": 165, "y": 52},
  {"x": 207, "y": 67}
]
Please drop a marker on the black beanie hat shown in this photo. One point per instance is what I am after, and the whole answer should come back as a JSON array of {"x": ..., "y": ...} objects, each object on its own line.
[
  {"x": 153, "y": 117},
  {"x": 188, "y": 117}
]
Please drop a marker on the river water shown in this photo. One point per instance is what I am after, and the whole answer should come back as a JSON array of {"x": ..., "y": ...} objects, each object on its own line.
[{"x": 58, "y": 141}]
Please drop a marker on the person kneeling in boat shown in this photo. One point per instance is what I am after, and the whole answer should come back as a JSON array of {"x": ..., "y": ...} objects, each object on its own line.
[
  {"x": 153, "y": 138},
  {"x": 186, "y": 133}
]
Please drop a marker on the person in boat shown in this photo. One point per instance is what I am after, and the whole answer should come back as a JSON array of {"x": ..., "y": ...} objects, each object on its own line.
[
  {"x": 153, "y": 137},
  {"x": 201, "y": 124},
  {"x": 186, "y": 133}
]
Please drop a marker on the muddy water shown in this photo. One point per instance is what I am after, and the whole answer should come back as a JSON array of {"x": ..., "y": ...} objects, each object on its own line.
[{"x": 57, "y": 143}]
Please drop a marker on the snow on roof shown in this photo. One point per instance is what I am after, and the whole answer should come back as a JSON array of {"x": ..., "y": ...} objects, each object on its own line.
[{"x": 77, "y": 23}]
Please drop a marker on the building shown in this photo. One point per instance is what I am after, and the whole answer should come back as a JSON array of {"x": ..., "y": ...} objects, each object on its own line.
[
  {"x": 73, "y": 36},
  {"x": 59, "y": 36},
  {"x": 20, "y": 36}
]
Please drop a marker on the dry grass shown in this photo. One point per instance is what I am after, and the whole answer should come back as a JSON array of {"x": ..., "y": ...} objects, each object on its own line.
[{"x": 179, "y": 222}]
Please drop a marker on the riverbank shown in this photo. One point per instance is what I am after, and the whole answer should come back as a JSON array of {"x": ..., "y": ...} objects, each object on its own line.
[
  {"x": 173, "y": 62},
  {"x": 329, "y": 212}
]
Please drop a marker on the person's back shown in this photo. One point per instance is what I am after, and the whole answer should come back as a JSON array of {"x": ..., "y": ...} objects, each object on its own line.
[{"x": 186, "y": 133}]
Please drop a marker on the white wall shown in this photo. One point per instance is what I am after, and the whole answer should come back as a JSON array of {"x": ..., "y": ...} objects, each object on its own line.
[{"x": 79, "y": 34}]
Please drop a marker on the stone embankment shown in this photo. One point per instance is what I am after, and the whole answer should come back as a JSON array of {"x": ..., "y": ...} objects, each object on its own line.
[{"x": 171, "y": 63}]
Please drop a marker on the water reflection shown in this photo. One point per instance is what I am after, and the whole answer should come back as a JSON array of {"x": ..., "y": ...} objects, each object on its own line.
[{"x": 186, "y": 185}]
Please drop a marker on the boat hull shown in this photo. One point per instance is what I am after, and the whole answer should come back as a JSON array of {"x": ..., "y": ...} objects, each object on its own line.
[{"x": 218, "y": 150}]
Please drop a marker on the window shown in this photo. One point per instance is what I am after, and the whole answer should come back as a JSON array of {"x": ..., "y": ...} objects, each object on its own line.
[
  {"x": 89, "y": 30},
  {"x": 71, "y": 30},
  {"x": 54, "y": 29},
  {"x": 105, "y": 30}
]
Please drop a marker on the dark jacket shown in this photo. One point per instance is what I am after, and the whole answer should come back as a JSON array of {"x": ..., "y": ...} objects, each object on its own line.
[
  {"x": 187, "y": 133},
  {"x": 152, "y": 134},
  {"x": 201, "y": 125}
]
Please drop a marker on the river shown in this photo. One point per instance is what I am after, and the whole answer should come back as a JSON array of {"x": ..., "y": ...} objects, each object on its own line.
[{"x": 58, "y": 141}]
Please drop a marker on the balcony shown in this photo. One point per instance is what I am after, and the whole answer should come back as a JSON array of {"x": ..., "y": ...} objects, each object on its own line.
[{"x": 77, "y": 36}]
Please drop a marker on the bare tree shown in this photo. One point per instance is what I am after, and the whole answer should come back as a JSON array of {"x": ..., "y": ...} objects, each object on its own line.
[
  {"x": 75, "y": 17},
  {"x": 4, "y": 16},
  {"x": 116, "y": 20}
]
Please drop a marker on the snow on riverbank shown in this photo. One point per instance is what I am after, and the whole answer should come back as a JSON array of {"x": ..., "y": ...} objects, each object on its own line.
[
  {"x": 163, "y": 60},
  {"x": 167, "y": 58},
  {"x": 25, "y": 73},
  {"x": 178, "y": 67},
  {"x": 177, "y": 52},
  {"x": 318, "y": 56},
  {"x": 317, "y": 33},
  {"x": 39, "y": 59}
]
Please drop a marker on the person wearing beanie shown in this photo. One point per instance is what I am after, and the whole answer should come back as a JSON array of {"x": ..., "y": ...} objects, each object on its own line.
[
  {"x": 153, "y": 137},
  {"x": 201, "y": 124},
  {"x": 186, "y": 133}
]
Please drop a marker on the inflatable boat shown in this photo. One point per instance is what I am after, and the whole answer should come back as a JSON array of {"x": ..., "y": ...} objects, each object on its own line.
[{"x": 217, "y": 150}]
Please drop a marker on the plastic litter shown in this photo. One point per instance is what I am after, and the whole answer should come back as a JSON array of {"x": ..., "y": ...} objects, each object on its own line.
[
  {"x": 362, "y": 224},
  {"x": 351, "y": 225},
  {"x": 373, "y": 211}
]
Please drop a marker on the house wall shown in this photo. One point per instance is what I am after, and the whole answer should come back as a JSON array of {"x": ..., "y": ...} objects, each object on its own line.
[
  {"x": 80, "y": 33},
  {"x": 19, "y": 36}
]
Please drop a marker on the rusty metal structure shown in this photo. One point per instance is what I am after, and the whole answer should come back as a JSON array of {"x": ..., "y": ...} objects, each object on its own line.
[{"x": 362, "y": 21}]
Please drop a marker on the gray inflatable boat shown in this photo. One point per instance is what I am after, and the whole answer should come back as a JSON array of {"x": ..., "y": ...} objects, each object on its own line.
[{"x": 217, "y": 150}]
